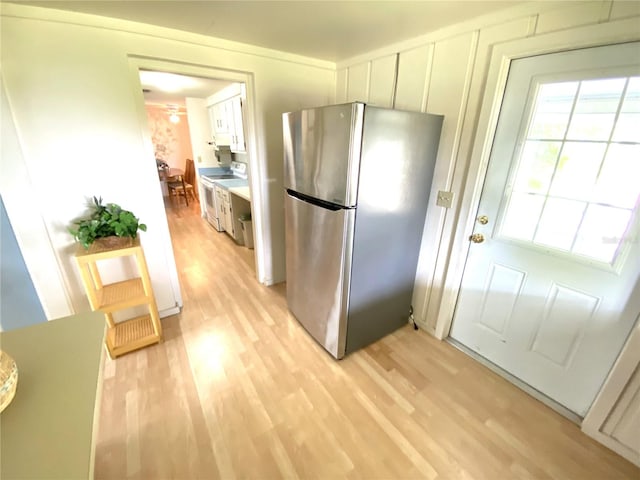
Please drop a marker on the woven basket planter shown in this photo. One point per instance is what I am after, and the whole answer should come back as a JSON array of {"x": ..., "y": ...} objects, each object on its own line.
[
  {"x": 8, "y": 379},
  {"x": 113, "y": 242}
]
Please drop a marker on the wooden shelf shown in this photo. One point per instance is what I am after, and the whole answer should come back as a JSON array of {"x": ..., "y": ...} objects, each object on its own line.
[
  {"x": 121, "y": 295},
  {"x": 128, "y": 335},
  {"x": 131, "y": 335}
]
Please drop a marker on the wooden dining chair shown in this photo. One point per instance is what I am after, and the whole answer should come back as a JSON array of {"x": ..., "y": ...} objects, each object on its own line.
[
  {"x": 190, "y": 177},
  {"x": 183, "y": 186}
]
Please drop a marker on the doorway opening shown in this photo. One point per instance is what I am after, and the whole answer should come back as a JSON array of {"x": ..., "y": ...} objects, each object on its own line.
[{"x": 181, "y": 110}]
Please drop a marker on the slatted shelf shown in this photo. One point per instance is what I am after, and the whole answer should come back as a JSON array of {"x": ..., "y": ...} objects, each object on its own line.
[
  {"x": 132, "y": 334},
  {"x": 120, "y": 295}
]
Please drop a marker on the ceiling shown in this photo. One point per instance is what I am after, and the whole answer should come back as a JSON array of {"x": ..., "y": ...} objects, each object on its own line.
[
  {"x": 328, "y": 30},
  {"x": 162, "y": 88}
]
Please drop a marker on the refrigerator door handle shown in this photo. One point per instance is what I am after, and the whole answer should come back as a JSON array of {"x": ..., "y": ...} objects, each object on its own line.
[
  {"x": 319, "y": 245},
  {"x": 334, "y": 207}
]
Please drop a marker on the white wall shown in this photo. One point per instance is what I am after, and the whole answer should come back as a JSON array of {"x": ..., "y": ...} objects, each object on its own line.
[
  {"x": 77, "y": 107},
  {"x": 445, "y": 72},
  {"x": 28, "y": 224},
  {"x": 226, "y": 93},
  {"x": 20, "y": 305},
  {"x": 200, "y": 133},
  {"x": 71, "y": 94},
  {"x": 171, "y": 141}
]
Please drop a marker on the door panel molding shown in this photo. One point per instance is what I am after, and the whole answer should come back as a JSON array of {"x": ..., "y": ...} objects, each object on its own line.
[
  {"x": 500, "y": 307},
  {"x": 553, "y": 314}
]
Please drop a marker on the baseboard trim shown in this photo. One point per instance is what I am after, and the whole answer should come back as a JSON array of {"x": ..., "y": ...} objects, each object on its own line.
[
  {"x": 537, "y": 394},
  {"x": 169, "y": 311}
]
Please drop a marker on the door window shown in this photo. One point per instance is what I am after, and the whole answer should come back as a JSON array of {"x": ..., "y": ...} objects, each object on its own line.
[{"x": 577, "y": 179}]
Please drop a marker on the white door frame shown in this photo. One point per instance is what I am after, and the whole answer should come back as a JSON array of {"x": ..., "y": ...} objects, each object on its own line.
[
  {"x": 136, "y": 63},
  {"x": 618, "y": 380},
  {"x": 456, "y": 240}
]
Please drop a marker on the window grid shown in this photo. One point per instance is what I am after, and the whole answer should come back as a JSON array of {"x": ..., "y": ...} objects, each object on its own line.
[
  {"x": 604, "y": 156},
  {"x": 589, "y": 200}
]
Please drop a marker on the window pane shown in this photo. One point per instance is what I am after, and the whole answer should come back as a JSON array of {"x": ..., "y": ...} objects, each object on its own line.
[
  {"x": 602, "y": 232},
  {"x": 600, "y": 96},
  {"x": 591, "y": 126},
  {"x": 628, "y": 126},
  {"x": 577, "y": 170},
  {"x": 619, "y": 180},
  {"x": 559, "y": 223},
  {"x": 536, "y": 166},
  {"x": 552, "y": 109},
  {"x": 595, "y": 109},
  {"x": 522, "y": 216}
]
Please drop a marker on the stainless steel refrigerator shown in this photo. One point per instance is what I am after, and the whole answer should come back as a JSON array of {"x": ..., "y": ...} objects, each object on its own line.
[{"x": 357, "y": 182}]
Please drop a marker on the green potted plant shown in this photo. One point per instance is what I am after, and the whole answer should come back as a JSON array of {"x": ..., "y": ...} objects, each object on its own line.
[{"x": 109, "y": 222}]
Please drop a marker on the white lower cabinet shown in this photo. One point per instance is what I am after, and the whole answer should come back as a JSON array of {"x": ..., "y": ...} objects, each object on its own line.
[
  {"x": 220, "y": 206},
  {"x": 230, "y": 208},
  {"x": 228, "y": 214}
]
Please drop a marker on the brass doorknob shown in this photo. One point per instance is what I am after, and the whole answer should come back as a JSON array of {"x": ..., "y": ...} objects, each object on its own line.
[
  {"x": 483, "y": 219},
  {"x": 477, "y": 238}
]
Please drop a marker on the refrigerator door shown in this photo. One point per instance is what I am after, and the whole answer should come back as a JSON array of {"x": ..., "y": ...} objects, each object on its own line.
[
  {"x": 322, "y": 152},
  {"x": 399, "y": 151},
  {"x": 319, "y": 245}
]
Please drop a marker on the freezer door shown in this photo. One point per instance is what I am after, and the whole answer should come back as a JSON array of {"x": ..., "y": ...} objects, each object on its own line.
[
  {"x": 319, "y": 245},
  {"x": 322, "y": 152}
]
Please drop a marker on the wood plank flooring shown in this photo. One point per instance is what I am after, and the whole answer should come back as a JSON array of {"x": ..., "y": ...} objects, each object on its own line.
[{"x": 239, "y": 390}]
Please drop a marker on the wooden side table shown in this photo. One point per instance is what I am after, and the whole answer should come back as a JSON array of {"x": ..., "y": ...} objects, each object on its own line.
[{"x": 123, "y": 336}]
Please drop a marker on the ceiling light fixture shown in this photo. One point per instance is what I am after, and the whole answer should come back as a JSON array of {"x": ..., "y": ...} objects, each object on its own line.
[{"x": 173, "y": 111}]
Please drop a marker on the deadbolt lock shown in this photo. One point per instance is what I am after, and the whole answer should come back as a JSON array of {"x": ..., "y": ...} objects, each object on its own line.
[
  {"x": 477, "y": 238},
  {"x": 483, "y": 219}
]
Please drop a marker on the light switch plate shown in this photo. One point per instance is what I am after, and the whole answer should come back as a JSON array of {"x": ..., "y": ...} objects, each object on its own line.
[{"x": 445, "y": 199}]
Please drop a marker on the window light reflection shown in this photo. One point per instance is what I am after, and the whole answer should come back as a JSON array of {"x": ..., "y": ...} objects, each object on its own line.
[
  {"x": 210, "y": 352},
  {"x": 384, "y": 188}
]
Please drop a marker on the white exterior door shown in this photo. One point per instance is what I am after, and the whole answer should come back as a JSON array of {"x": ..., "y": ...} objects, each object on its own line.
[{"x": 552, "y": 291}]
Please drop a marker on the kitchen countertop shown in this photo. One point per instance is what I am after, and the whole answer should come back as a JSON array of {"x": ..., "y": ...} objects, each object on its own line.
[
  {"x": 242, "y": 192},
  {"x": 206, "y": 171},
  {"x": 228, "y": 183},
  {"x": 48, "y": 429}
]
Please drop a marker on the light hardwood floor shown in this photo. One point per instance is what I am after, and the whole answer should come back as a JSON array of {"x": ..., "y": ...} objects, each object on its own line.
[{"x": 239, "y": 390}]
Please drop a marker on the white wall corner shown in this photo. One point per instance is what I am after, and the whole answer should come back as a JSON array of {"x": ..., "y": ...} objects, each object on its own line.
[{"x": 22, "y": 203}]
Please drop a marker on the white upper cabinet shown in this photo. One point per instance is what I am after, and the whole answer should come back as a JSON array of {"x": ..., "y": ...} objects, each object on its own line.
[
  {"x": 226, "y": 116},
  {"x": 219, "y": 118},
  {"x": 237, "y": 128}
]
